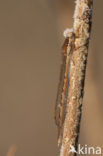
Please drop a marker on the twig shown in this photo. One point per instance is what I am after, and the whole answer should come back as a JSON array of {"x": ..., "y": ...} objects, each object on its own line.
[
  {"x": 82, "y": 28},
  {"x": 12, "y": 150}
]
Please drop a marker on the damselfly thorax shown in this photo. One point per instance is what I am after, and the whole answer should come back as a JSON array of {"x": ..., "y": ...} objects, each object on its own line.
[{"x": 62, "y": 92}]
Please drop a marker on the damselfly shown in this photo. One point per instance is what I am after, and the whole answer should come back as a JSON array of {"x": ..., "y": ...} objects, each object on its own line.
[{"x": 62, "y": 92}]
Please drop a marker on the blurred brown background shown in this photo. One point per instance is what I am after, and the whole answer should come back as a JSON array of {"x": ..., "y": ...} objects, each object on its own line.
[{"x": 30, "y": 54}]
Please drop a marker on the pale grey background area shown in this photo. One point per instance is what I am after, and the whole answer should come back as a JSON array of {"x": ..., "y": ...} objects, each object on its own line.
[{"x": 30, "y": 45}]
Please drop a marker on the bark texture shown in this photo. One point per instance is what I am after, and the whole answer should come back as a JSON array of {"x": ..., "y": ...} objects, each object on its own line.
[{"x": 82, "y": 28}]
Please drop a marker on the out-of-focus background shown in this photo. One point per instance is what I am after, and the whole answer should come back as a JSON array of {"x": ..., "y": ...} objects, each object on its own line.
[{"x": 30, "y": 55}]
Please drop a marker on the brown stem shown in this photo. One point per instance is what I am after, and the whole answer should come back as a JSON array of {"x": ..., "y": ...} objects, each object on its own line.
[{"x": 82, "y": 28}]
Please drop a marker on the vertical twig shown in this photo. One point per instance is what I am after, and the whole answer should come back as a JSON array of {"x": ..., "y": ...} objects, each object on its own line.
[
  {"x": 82, "y": 28},
  {"x": 12, "y": 150}
]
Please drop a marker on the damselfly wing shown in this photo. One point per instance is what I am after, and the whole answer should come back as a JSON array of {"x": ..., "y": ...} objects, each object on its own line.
[{"x": 62, "y": 93}]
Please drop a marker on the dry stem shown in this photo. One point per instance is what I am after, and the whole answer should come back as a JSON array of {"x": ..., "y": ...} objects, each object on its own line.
[
  {"x": 82, "y": 27},
  {"x": 12, "y": 150}
]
